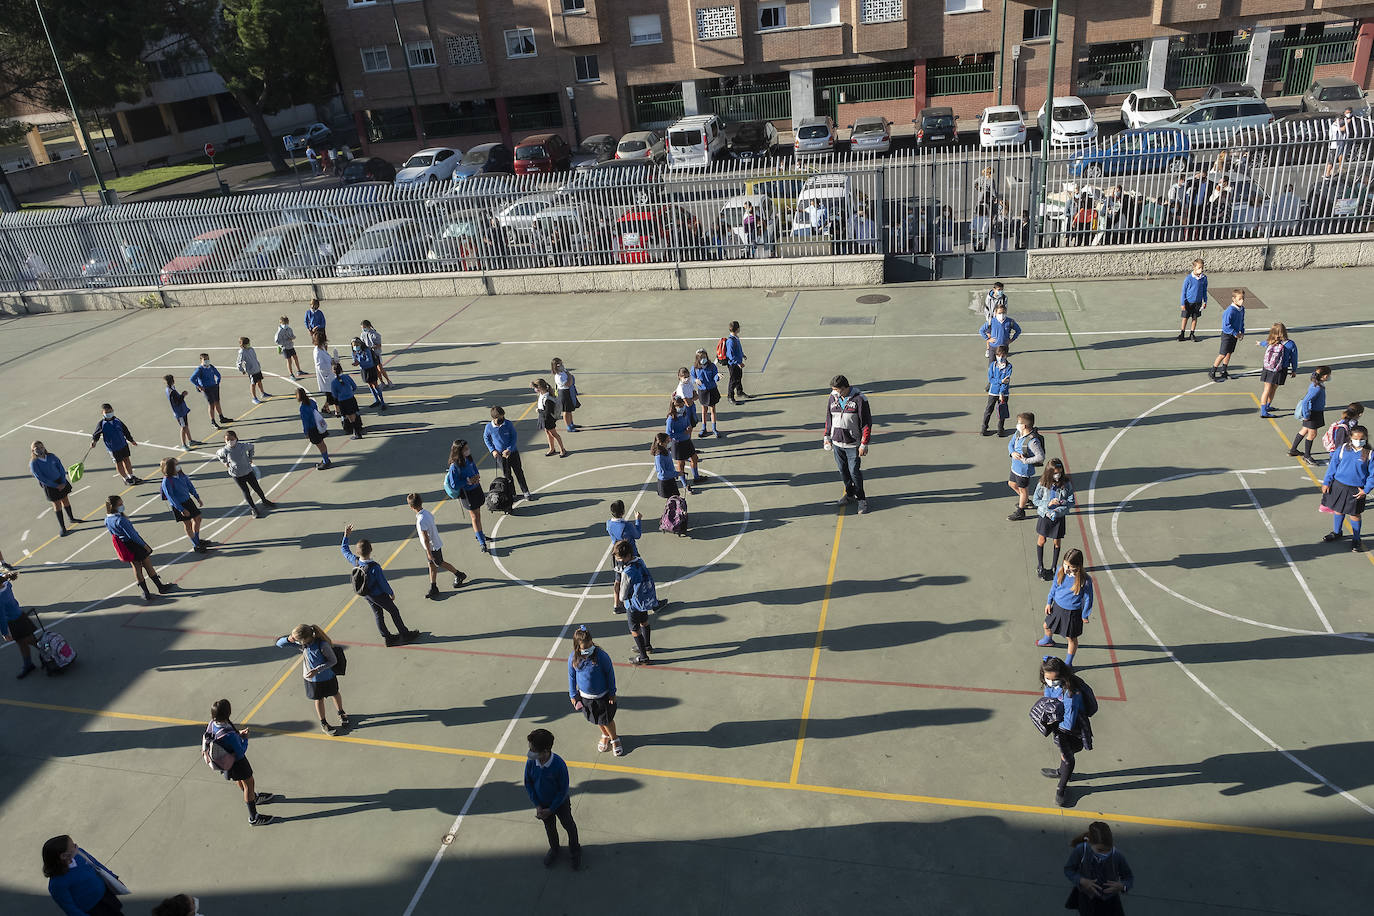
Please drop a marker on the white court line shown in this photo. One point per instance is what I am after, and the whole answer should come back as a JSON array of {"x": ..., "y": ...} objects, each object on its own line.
[
  {"x": 1125, "y": 600},
  {"x": 452, "y": 834},
  {"x": 25, "y": 536},
  {"x": 88, "y": 393},
  {"x": 166, "y": 448},
  {"x": 1264, "y": 517}
]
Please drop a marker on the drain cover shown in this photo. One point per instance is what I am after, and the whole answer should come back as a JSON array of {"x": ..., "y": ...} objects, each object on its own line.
[
  {"x": 872, "y": 299},
  {"x": 1036, "y": 316},
  {"x": 773, "y": 294},
  {"x": 848, "y": 319}
]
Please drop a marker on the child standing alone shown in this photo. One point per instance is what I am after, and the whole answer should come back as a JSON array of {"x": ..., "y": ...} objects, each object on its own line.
[
  {"x": 285, "y": 340},
  {"x": 1280, "y": 361},
  {"x": 247, "y": 364},
  {"x": 1192, "y": 300}
]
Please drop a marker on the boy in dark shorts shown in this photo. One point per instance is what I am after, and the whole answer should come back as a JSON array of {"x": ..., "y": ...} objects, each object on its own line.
[
  {"x": 1232, "y": 330},
  {"x": 206, "y": 378},
  {"x": 1027, "y": 451},
  {"x": 222, "y": 732},
  {"x": 286, "y": 345},
  {"x": 427, "y": 530},
  {"x": 248, "y": 365},
  {"x": 639, "y": 597},
  {"x": 1192, "y": 300},
  {"x": 118, "y": 442}
]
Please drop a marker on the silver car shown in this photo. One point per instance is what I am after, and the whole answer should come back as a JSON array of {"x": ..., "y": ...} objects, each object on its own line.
[
  {"x": 395, "y": 246},
  {"x": 870, "y": 135},
  {"x": 814, "y": 135},
  {"x": 642, "y": 144}
]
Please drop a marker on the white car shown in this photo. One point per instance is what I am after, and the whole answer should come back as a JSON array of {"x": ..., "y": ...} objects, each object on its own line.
[
  {"x": 434, "y": 164},
  {"x": 310, "y": 135},
  {"x": 1001, "y": 125},
  {"x": 1144, "y": 107},
  {"x": 1073, "y": 122}
]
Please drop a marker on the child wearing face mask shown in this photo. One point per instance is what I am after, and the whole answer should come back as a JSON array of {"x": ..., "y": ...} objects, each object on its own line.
[
  {"x": 206, "y": 378},
  {"x": 247, "y": 364},
  {"x": 548, "y": 786},
  {"x": 681, "y": 420},
  {"x": 591, "y": 688},
  {"x": 180, "y": 494},
  {"x": 52, "y": 476},
  {"x": 1098, "y": 871},
  {"x": 130, "y": 547},
  {"x": 366, "y": 360},
  {"x": 999, "y": 331},
  {"x": 1348, "y": 480},
  {"x": 118, "y": 442},
  {"x": 463, "y": 483},
  {"x": 1311, "y": 410},
  {"x": 1074, "y": 733},
  {"x": 1053, "y": 499},
  {"x": 1068, "y": 605},
  {"x": 999, "y": 390},
  {"x": 1027, "y": 451}
]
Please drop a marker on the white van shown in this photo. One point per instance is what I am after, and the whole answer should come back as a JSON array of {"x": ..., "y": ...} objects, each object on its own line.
[{"x": 695, "y": 142}]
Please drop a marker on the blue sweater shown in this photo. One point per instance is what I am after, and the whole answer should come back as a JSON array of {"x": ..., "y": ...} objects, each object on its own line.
[
  {"x": 178, "y": 489},
  {"x": 378, "y": 575},
  {"x": 595, "y": 677},
  {"x": 114, "y": 432},
  {"x": 458, "y": 476},
  {"x": 179, "y": 408},
  {"x": 308, "y": 411},
  {"x": 999, "y": 379},
  {"x": 314, "y": 657},
  {"x": 364, "y": 358},
  {"x": 314, "y": 318},
  {"x": 705, "y": 376},
  {"x": 502, "y": 437},
  {"x": 1312, "y": 402},
  {"x": 1000, "y": 333},
  {"x": 734, "y": 350},
  {"x": 1233, "y": 320},
  {"x": 1073, "y": 706},
  {"x": 547, "y": 785},
  {"x": 1290, "y": 357},
  {"x": 205, "y": 377},
  {"x": 9, "y": 607},
  {"x": 123, "y": 529},
  {"x": 49, "y": 471},
  {"x": 663, "y": 466},
  {"x": 621, "y": 530},
  {"x": 231, "y": 740},
  {"x": 80, "y": 887},
  {"x": 1354, "y": 469},
  {"x": 678, "y": 426},
  {"x": 1061, "y": 593},
  {"x": 1084, "y": 863},
  {"x": 342, "y": 387},
  {"x": 1194, "y": 289}
]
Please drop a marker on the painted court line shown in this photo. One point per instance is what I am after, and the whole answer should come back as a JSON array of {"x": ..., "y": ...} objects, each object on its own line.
[
  {"x": 85, "y": 394},
  {"x": 166, "y": 448},
  {"x": 1287, "y": 558},
  {"x": 816, "y": 651}
]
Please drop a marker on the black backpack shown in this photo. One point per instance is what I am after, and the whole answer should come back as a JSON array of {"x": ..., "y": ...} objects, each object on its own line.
[
  {"x": 500, "y": 497},
  {"x": 362, "y": 580},
  {"x": 1089, "y": 699}
]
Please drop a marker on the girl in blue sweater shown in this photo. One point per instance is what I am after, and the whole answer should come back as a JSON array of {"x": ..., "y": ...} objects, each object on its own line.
[
  {"x": 621, "y": 530},
  {"x": 1098, "y": 870},
  {"x": 662, "y": 452},
  {"x": 1069, "y": 604},
  {"x": 682, "y": 417},
  {"x": 317, "y": 667},
  {"x": 1311, "y": 411},
  {"x": 51, "y": 475},
  {"x": 314, "y": 426},
  {"x": 464, "y": 484},
  {"x": 130, "y": 547},
  {"x": 591, "y": 688},
  {"x": 1074, "y": 733},
  {"x": 1349, "y": 478},
  {"x": 367, "y": 361},
  {"x": 344, "y": 391},
  {"x": 180, "y": 493},
  {"x": 706, "y": 378},
  {"x": 1053, "y": 499},
  {"x": 75, "y": 883},
  {"x": 1280, "y": 361}
]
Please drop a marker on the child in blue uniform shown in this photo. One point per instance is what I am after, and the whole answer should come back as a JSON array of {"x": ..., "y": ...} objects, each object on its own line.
[
  {"x": 1232, "y": 331},
  {"x": 999, "y": 330},
  {"x": 1053, "y": 499},
  {"x": 180, "y": 494},
  {"x": 591, "y": 688},
  {"x": 1347, "y": 483},
  {"x": 1069, "y": 604},
  {"x": 366, "y": 360},
  {"x": 999, "y": 390},
  {"x": 1073, "y": 733},
  {"x": 706, "y": 378},
  {"x": 639, "y": 596},
  {"x": 314, "y": 427},
  {"x": 682, "y": 418},
  {"x": 344, "y": 391},
  {"x": 51, "y": 475},
  {"x": 1280, "y": 361},
  {"x": 1311, "y": 410},
  {"x": 662, "y": 453},
  {"x": 118, "y": 442},
  {"x": 1027, "y": 451},
  {"x": 181, "y": 412},
  {"x": 206, "y": 378},
  {"x": 130, "y": 547},
  {"x": 463, "y": 483},
  {"x": 621, "y": 530},
  {"x": 1192, "y": 300},
  {"x": 547, "y": 784}
]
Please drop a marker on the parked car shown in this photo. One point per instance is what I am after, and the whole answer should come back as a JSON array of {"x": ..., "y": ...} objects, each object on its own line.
[
  {"x": 641, "y": 144},
  {"x": 455, "y": 240},
  {"x": 494, "y": 189},
  {"x": 540, "y": 153},
  {"x": 309, "y": 135},
  {"x": 870, "y": 135},
  {"x": 659, "y": 233},
  {"x": 753, "y": 140},
  {"x": 617, "y": 182},
  {"x": 936, "y": 127},
  {"x": 1340, "y": 203},
  {"x": 572, "y": 233},
  {"x": 1302, "y": 139},
  {"x": 517, "y": 218},
  {"x": 203, "y": 256},
  {"x": 395, "y": 246},
  {"x": 1001, "y": 125},
  {"x": 1144, "y": 107},
  {"x": 100, "y": 268},
  {"x": 813, "y": 136},
  {"x": 1335, "y": 94},
  {"x": 765, "y": 240},
  {"x": 1073, "y": 122},
  {"x": 595, "y": 149},
  {"x": 782, "y": 190},
  {"x": 841, "y": 207},
  {"x": 371, "y": 169},
  {"x": 1149, "y": 149},
  {"x": 1208, "y": 120},
  {"x": 433, "y": 164},
  {"x": 695, "y": 142},
  {"x": 485, "y": 159},
  {"x": 1229, "y": 91},
  {"x": 292, "y": 250}
]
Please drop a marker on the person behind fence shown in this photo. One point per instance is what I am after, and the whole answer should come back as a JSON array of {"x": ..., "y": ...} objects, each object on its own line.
[
  {"x": 1177, "y": 199},
  {"x": 1339, "y": 136},
  {"x": 1098, "y": 872}
]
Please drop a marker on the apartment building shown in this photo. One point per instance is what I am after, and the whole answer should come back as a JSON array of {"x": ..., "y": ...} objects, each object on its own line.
[{"x": 461, "y": 72}]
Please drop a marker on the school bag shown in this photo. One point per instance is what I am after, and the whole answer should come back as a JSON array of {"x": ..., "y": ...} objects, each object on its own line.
[
  {"x": 340, "y": 661},
  {"x": 1273, "y": 356},
  {"x": 1329, "y": 437},
  {"x": 216, "y": 756},
  {"x": 55, "y": 654},
  {"x": 1089, "y": 699},
  {"x": 500, "y": 497},
  {"x": 722, "y": 352},
  {"x": 362, "y": 578},
  {"x": 1046, "y": 714},
  {"x": 674, "y": 520},
  {"x": 644, "y": 595}
]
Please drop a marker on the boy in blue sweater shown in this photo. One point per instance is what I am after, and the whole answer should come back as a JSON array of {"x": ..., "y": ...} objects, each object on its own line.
[
  {"x": 377, "y": 591},
  {"x": 548, "y": 785},
  {"x": 206, "y": 378},
  {"x": 118, "y": 442},
  {"x": 621, "y": 530},
  {"x": 1232, "y": 330},
  {"x": 999, "y": 390},
  {"x": 1192, "y": 300},
  {"x": 503, "y": 442},
  {"x": 734, "y": 359},
  {"x": 999, "y": 331}
]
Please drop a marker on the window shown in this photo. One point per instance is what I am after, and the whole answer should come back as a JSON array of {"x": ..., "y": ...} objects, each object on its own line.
[
  {"x": 717, "y": 22},
  {"x": 825, "y": 12},
  {"x": 772, "y": 15},
  {"x": 871, "y": 11},
  {"x": 520, "y": 43},
  {"x": 421, "y": 54},
  {"x": 588, "y": 71},
  {"x": 1037, "y": 25},
  {"x": 574, "y": 6},
  {"x": 646, "y": 30},
  {"x": 464, "y": 50},
  {"x": 362, "y": 2},
  {"x": 376, "y": 59},
  {"x": 963, "y": 6}
]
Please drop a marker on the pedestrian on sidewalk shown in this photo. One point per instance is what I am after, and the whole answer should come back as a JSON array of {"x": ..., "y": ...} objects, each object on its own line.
[
  {"x": 372, "y": 339},
  {"x": 15, "y": 624},
  {"x": 1099, "y": 873},
  {"x": 463, "y": 483},
  {"x": 621, "y": 530},
  {"x": 237, "y": 456},
  {"x": 223, "y": 732},
  {"x": 1073, "y": 734},
  {"x": 314, "y": 426},
  {"x": 705, "y": 376},
  {"x": 678, "y": 425},
  {"x": 75, "y": 880},
  {"x": 1348, "y": 481},
  {"x": 286, "y": 345},
  {"x": 206, "y": 378},
  {"x": 848, "y": 426},
  {"x": 181, "y": 411},
  {"x": 314, "y": 159},
  {"x": 1068, "y": 605},
  {"x": 181, "y": 496},
  {"x": 1232, "y": 331},
  {"x": 1192, "y": 299},
  {"x": 366, "y": 360},
  {"x": 547, "y": 410},
  {"x": 591, "y": 688},
  {"x": 662, "y": 453},
  {"x": 318, "y": 659},
  {"x": 1311, "y": 410},
  {"x": 1027, "y": 451},
  {"x": 370, "y": 581},
  {"x": 546, "y": 781},
  {"x": 130, "y": 547},
  {"x": 51, "y": 475},
  {"x": 1053, "y": 500},
  {"x": 999, "y": 392},
  {"x": 345, "y": 391},
  {"x": 566, "y": 386},
  {"x": 503, "y": 442},
  {"x": 1280, "y": 362},
  {"x": 999, "y": 331},
  {"x": 247, "y": 364},
  {"x": 118, "y": 442},
  {"x": 427, "y": 530},
  {"x": 734, "y": 359},
  {"x": 639, "y": 595}
]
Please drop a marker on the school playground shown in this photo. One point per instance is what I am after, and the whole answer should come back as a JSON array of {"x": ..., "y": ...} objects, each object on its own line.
[{"x": 837, "y": 719}]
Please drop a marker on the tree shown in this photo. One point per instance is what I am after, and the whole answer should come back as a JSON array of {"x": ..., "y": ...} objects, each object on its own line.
[{"x": 270, "y": 53}]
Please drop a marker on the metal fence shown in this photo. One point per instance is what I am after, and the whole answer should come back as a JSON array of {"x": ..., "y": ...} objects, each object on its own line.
[{"x": 965, "y": 212}]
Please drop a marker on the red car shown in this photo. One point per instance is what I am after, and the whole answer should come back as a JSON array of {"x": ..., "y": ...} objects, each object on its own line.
[
  {"x": 542, "y": 153},
  {"x": 658, "y": 233},
  {"x": 207, "y": 252}
]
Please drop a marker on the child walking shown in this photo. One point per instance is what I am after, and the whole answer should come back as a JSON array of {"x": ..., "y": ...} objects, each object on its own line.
[
  {"x": 247, "y": 364},
  {"x": 1053, "y": 500},
  {"x": 999, "y": 390},
  {"x": 639, "y": 596},
  {"x": 567, "y": 391},
  {"x": 1232, "y": 331},
  {"x": 547, "y": 784},
  {"x": 427, "y": 530},
  {"x": 1027, "y": 451},
  {"x": 501, "y": 440},
  {"x": 285, "y": 339},
  {"x": 629, "y": 532},
  {"x": 1068, "y": 605},
  {"x": 1280, "y": 361},
  {"x": 546, "y": 407},
  {"x": 366, "y": 360},
  {"x": 995, "y": 297},
  {"x": 372, "y": 339},
  {"x": 314, "y": 426},
  {"x": 180, "y": 494},
  {"x": 52, "y": 476},
  {"x": 1192, "y": 300},
  {"x": 377, "y": 591},
  {"x": 591, "y": 688},
  {"x": 463, "y": 483},
  {"x": 1311, "y": 410},
  {"x": 237, "y": 457},
  {"x": 705, "y": 376},
  {"x": 318, "y": 659},
  {"x": 118, "y": 442},
  {"x": 130, "y": 547},
  {"x": 180, "y": 411},
  {"x": 206, "y": 378},
  {"x": 682, "y": 417},
  {"x": 221, "y": 731},
  {"x": 1347, "y": 483}
]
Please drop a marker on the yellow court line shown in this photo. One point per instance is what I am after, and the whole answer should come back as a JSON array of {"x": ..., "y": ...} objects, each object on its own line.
[
  {"x": 1302, "y": 464},
  {"x": 816, "y": 650},
  {"x": 933, "y": 800}
]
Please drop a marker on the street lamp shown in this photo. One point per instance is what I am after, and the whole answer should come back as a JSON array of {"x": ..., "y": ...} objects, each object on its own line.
[
  {"x": 577, "y": 124},
  {"x": 107, "y": 196}
]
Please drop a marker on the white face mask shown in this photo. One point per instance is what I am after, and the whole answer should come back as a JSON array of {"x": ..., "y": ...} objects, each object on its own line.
[
  {"x": 1001, "y": 360},
  {"x": 109, "y": 414},
  {"x": 533, "y": 755},
  {"x": 1051, "y": 683},
  {"x": 1001, "y": 317},
  {"x": 1357, "y": 443}
]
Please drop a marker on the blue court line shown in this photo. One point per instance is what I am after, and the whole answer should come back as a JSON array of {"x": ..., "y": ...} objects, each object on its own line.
[{"x": 776, "y": 337}]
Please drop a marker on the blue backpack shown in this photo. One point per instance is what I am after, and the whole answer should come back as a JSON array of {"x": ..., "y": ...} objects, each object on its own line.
[{"x": 643, "y": 594}]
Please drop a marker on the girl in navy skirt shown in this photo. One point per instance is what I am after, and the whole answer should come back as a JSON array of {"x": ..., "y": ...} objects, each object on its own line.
[
  {"x": 682, "y": 417},
  {"x": 1311, "y": 411},
  {"x": 1053, "y": 499},
  {"x": 1349, "y": 478},
  {"x": 1280, "y": 361},
  {"x": 547, "y": 408},
  {"x": 662, "y": 452},
  {"x": 706, "y": 377},
  {"x": 463, "y": 483},
  {"x": 1069, "y": 604},
  {"x": 591, "y": 688},
  {"x": 567, "y": 391}
]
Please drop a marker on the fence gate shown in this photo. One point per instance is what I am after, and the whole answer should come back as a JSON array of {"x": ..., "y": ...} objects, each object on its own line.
[{"x": 1298, "y": 64}]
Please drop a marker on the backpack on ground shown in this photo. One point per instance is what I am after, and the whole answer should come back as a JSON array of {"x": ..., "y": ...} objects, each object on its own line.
[
  {"x": 1273, "y": 357},
  {"x": 1329, "y": 437},
  {"x": 723, "y": 351},
  {"x": 216, "y": 756},
  {"x": 644, "y": 595},
  {"x": 674, "y": 520},
  {"x": 362, "y": 578},
  {"x": 54, "y": 652},
  {"x": 500, "y": 497}
]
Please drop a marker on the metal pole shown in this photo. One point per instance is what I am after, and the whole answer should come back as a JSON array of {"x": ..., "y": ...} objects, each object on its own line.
[
  {"x": 105, "y": 195},
  {"x": 1002, "y": 53},
  {"x": 405, "y": 56},
  {"x": 1042, "y": 186}
]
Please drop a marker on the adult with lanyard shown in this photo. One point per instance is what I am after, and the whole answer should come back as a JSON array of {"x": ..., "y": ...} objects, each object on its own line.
[{"x": 848, "y": 425}]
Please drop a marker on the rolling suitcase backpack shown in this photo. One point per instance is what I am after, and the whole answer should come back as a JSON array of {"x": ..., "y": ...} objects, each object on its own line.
[{"x": 54, "y": 652}]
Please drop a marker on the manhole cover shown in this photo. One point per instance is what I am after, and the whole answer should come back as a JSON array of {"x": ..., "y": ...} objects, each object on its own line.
[
  {"x": 872, "y": 299},
  {"x": 1223, "y": 298},
  {"x": 1035, "y": 316},
  {"x": 846, "y": 319}
]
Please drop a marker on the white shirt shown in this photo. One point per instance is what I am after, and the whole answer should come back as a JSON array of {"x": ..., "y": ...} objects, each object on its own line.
[
  {"x": 425, "y": 524},
  {"x": 560, "y": 381},
  {"x": 685, "y": 389}
]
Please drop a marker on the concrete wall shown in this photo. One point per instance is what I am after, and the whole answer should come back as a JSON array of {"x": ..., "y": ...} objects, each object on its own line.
[{"x": 1170, "y": 259}]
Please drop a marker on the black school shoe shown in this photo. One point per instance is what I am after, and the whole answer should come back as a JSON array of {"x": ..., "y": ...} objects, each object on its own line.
[{"x": 1017, "y": 516}]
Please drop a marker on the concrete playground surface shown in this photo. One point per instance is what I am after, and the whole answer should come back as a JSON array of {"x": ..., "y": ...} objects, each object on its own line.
[{"x": 837, "y": 721}]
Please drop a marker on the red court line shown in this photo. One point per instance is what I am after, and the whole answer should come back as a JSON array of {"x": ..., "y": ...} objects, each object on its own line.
[
  {"x": 431, "y": 330},
  {"x": 1097, "y": 594}
]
